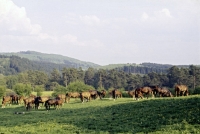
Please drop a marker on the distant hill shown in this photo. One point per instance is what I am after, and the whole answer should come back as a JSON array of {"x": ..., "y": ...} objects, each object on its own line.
[{"x": 53, "y": 58}]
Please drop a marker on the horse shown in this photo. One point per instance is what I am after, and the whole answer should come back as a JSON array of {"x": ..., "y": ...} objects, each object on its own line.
[
  {"x": 131, "y": 93},
  {"x": 94, "y": 94},
  {"x": 164, "y": 92},
  {"x": 21, "y": 99},
  {"x": 40, "y": 99},
  {"x": 29, "y": 101},
  {"x": 116, "y": 93},
  {"x": 143, "y": 90},
  {"x": 103, "y": 93},
  {"x": 85, "y": 95},
  {"x": 62, "y": 96},
  {"x": 14, "y": 98},
  {"x": 57, "y": 103},
  {"x": 181, "y": 90},
  {"x": 72, "y": 95},
  {"x": 6, "y": 99}
]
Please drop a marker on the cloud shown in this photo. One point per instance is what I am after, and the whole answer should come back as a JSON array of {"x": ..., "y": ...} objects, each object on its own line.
[{"x": 14, "y": 19}]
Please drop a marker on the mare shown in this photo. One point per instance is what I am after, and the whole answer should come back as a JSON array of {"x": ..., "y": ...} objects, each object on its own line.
[
  {"x": 181, "y": 90},
  {"x": 139, "y": 92},
  {"x": 131, "y": 93},
  {"x": 85, "y": 95},
  {"x": 14, "y": 98},
  {"x": 57, "y": 103},
  {"x": 6, "y": 99},
  {"x": 94, "y": 94},
  {"x": 29, "y": 101},
  {"x": 163, "y": 92},
  {"x": 40, "y": 99},
  {"x": 21, "y": 99},
  {"x": 116, "y": 93},
  {"x": 72, "y": 95}
]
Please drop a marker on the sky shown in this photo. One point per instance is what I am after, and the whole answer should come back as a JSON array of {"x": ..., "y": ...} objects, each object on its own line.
[{"x": 104, "y": 31}]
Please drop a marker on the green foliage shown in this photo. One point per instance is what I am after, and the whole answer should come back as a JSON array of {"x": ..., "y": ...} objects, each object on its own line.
[
  {"x": 39, "y": 90},
  {"x": 197, "y": 90},
  {"x": 2, "y": 91},
  {"x": 78, "y": 86},
  {"x": 23, "y": 89},
  {"x": 59, "y": 90}
]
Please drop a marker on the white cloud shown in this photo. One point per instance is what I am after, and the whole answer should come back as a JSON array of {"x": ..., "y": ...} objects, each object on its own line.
[{"x": 14, "y": 19}]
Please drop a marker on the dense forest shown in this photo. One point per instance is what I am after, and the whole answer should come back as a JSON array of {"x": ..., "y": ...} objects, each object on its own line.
[{"x": 15, "y": 71}]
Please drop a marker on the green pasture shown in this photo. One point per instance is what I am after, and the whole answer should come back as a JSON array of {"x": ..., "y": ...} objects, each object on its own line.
[{"x": 125, "y": 115}]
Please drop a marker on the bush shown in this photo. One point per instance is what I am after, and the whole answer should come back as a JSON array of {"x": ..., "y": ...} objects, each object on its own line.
[
  {"x": 197, "y": 90},
  {"x": 39, "y": 90},
  {"x": 78, "y": 86},
  {"x": 2, "y": 91},
  {"x": 23, "y": 89}
]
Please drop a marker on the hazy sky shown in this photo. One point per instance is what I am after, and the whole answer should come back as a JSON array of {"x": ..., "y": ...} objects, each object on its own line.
[{"x": 104, "y": 31}]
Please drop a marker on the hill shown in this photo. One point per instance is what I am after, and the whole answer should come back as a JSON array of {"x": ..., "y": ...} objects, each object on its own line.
[{"x": 52, "y": 58}]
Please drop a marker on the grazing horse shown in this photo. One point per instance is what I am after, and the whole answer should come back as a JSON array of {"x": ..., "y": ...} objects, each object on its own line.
[
  {"x": 116, "y": 93},
  {"x": 57, "y": 103},
  {"x": 85, "y": 95},
  {"x": 62, "y": 97},
  {"x": 6, "y": 99},
  {"x": 72, "y": 95},
  {"x": 40, "y": 99},
  {"x": 94, "y": 94},
  {"x": 21, "y": 99},
  {"x": 181, "y": 90},
  {"x": 131, "y": 93},
  {"x": 29, "y": 102},
  {"x": 103, "y": 93},
  {"x": 143, "y": 90},
  {"x": 163, "y": 92},
  {"x": 14, "y": 98}
]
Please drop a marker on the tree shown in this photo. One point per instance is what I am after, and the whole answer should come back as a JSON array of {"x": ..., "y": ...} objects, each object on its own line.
[
  {"x": 55, "y": 76},
  {"x": 23, "y": 89},
  {"x": 195, "y": 73},
  {"x": 2, "y": 91},
  {"x": 11, "y": 81},
  {"x": 78, "y": 86}
]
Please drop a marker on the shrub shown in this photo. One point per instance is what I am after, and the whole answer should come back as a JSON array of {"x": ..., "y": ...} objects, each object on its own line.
[
  {"x": 2, "y": 91},
  {"x": 78, "y": 86},
  {"x": 197, "y": 90}
]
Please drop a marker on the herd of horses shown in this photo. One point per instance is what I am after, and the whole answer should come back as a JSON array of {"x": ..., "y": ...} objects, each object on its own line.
[{"x": 33, "y": 101}]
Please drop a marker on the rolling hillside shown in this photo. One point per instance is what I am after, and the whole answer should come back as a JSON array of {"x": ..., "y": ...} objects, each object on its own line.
[{"x": 52, "y": 58}]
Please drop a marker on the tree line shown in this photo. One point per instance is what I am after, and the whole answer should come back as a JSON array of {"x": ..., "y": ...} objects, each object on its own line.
[{"x": 34, "y": 80}]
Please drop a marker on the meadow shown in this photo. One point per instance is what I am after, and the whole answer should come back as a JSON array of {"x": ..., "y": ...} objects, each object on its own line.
[{"x": 125, "y": 115}]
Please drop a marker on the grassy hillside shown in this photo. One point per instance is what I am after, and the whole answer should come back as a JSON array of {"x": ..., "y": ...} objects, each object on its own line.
[
  {"x": 52, "y": 58},
  {"x": 168, "y": 115}
]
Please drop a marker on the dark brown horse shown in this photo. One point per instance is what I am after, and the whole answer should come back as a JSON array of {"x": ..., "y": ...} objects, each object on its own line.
[
  {"x": 181, "y": 90},
  {"x": 94, "y": 94},
  {"x": 72, "y": 95},
  {"x": 139, "y": 92},
  {"x": 57, "y": 103},
  {"x": 163, "y": 92},
  {"x": 15, "y": 98},
  {"x": 103, "y": 93},
  {"x": 6, "y": 99},
  {"x": 85, "y": 95}
]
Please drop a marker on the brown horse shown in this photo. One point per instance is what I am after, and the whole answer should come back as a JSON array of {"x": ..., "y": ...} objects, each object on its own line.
[
  {"x": 14, "y": 98},
  {"x": 85, "y": 95},
  {"x": 103, "y": 93},
  {"x": 116, "y": 94},
  {"x": 6, "y": 99},
  {"x": 62, "y": 97},
  {"x": 21, "y": 99},
  {"x": 181, "y": 90},
  {"x": 139, "y": 92},
  {"x": 131, "y": 93},
  {"x": 29, "y": 102},
  {"x": 94, "y": 94},
  {"x": 72, "y": 95},
  {"x": 57, "y": 103},
  {"x": 164, "y": 92}
]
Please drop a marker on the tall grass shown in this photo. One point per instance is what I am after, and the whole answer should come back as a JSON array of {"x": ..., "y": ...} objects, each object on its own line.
[{"x": 159, "y": 115}]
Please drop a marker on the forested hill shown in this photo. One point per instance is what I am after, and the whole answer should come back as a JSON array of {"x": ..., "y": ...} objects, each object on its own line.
[{"x": 52, "y": 58}]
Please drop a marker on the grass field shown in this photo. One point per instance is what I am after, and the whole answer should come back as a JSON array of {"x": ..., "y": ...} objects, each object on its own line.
[{"x": 158, "y": 115}]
